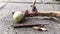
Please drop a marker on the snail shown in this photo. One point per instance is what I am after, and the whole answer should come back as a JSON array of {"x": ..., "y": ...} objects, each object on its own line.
[{"x": 18, "y": 16}]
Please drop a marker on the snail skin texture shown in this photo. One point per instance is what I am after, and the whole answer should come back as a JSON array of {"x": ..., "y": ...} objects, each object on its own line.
[{"x": 18, "y": 16}]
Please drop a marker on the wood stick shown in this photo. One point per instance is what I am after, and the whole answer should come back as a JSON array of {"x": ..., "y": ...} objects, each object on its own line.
[
  {"x": 52, "y": 14},
  {"x": 27, "y": 25}
]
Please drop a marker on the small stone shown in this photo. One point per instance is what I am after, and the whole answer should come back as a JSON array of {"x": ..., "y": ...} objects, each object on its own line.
[
  {"x": 36, "y": 28},
  {"x": 39, "y": 28},
  {"x": 43, "y": 29}
]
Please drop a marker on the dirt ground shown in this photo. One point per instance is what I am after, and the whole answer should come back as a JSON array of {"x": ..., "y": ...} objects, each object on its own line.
[{"x": 6, "y": 20}]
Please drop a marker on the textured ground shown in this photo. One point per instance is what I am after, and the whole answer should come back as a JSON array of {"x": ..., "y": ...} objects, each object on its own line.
[{"x": 6, "y": 17}]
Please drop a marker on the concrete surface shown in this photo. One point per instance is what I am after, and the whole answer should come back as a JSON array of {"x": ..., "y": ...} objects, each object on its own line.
[{"x": 6, "y": 18}]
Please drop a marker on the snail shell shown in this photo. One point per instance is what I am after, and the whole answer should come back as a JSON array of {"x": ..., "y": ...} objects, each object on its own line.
[{"x": 18, "y": 16}]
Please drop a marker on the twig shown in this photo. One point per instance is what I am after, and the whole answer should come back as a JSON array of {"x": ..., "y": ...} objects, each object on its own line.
[{"x": 27, "y": 25}]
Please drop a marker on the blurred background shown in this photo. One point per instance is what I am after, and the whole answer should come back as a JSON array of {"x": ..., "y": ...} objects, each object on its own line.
[{"x": 42, "y": 5}]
